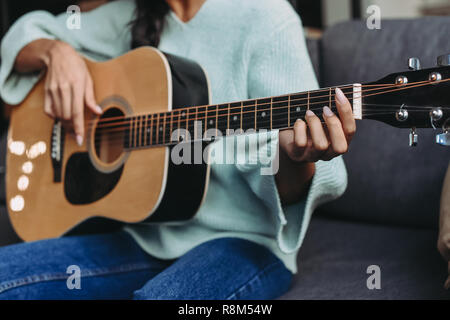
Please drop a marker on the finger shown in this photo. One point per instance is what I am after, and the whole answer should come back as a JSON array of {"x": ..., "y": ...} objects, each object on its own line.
[
  {"x": 89, "y": 97},
  {"x": 345, "y": 111},
  {"x": 56, "y": 100},
  {"x": 77, "y": 113},
  {"x": 65, "y": 95},
  {"x": 336, "y": 134},
  {"x": 318, "y": 136},
  {"x": 48, "y": 102},
  {"x": 300, "y": 134}
]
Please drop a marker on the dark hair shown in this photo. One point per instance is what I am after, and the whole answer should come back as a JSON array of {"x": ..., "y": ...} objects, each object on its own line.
[{"x": 149, "y": 22}]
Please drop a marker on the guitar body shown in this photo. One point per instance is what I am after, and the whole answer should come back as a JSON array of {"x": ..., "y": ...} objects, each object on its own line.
[{"x": 54, "y": 185}]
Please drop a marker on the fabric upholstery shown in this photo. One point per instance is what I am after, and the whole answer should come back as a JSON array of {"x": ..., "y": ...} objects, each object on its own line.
[{"x": 335, "y": 255}]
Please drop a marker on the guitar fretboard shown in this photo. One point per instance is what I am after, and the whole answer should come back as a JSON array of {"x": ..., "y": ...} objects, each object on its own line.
[{"x": 194, "y": 123}]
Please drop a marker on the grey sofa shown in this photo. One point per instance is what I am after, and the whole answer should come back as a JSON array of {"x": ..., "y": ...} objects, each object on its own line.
[{"x": 389, "y": 213}]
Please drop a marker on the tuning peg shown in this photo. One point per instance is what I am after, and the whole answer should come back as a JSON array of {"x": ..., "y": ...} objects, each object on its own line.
[
  {"x": 413, "y": 138},
  {"x": 414, "y": 64},
  {"x": 443, "y": 139},
  {"x": 444, "y": 60}
]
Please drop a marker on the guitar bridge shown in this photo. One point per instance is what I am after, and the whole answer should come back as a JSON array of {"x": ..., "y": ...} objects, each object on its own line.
[{"x": 57, "y": 151}]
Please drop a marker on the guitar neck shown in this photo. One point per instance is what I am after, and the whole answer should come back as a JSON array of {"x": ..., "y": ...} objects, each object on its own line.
[{"x": 196, "y": 123}]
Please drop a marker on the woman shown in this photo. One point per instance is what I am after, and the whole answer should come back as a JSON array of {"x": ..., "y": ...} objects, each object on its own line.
[{"x": 244, "y": 240}]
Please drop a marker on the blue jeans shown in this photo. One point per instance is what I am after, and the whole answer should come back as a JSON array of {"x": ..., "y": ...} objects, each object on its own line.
[{"x": 113, "y": 266}]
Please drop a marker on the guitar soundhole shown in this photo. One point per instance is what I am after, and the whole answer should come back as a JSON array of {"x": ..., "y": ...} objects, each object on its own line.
[{"x": 109, "y": 136}]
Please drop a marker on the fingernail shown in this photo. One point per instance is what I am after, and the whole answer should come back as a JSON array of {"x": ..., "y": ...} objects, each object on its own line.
[
  {"x": 309, "y": 113},
  {"x": 98, "y": 109},
  {"x": 340, "y": 96},
  {"x": 79, "y": 140},
  {"x": 327, "y": 112}
]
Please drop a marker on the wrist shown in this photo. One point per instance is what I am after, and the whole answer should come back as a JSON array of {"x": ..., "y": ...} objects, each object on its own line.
[
  {"x": 293, "y": 178},
  {"x": 51, "y": 48}
]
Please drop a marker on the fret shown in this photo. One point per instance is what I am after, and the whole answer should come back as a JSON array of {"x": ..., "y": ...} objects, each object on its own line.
[
  {"x": 271, "y": 111},
  {"x": 150, "y": 131},
  {"x": 161, "y": 118},
  {"x": 171, "y": 127},
  {"x": 242, "y": 110},
  {"x": 131, "y": 132},
  {"x": 183, "y": 124},
  {"x": 175, "y": 126},
  {"x": 144, "y": 131},
  {"x": 222, "y": 118},
  {"x": 136, "y": 132},
  {"x": 203, "y": 118},
  {"x": 298, "y": 107},
  {"x": 157, "y": 131},
  {"x": 154, "y": 130},
  {"x": 280, "y": 111},
  {"x": 289, "y": 111},
  {"x": 197, "y": 126},
  {"x": 318, "y": 99},
  {"x": 329, "y": 97},
  {"x": 308, "y": 101},
  {"x": 190, "y": 122},
  {"x": 263, "y": 110},
  {"x": 211, "y": 121},
  {"x": 235, "y": 116},
  {"x": 228, "y": 117},
  {"x": 217, "y": 120},
  {"x": 127, "y": 138},
  {"x": 166, "y": 126},
  {"x": 141, "y": 131},
  {"x": 248, "y": 118},
  {"x": 135, "y": 129},
  {"x": 255, "y": 102}
]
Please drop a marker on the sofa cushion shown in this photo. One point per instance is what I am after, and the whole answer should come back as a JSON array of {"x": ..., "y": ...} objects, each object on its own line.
[
  {"x": 384, "y": 173},
  {"x": 335, "y": 255}
]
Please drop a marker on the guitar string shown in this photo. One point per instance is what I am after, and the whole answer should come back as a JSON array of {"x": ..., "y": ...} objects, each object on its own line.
[
  {"x": 366, "y": 112},
  {"x": 162, "y": 138},
  {"x": 261, "y": 110},
  {"x": 141, "y": 122},
  {"x": 228, "y": 107},
  {"x": 274, "y": 97}
]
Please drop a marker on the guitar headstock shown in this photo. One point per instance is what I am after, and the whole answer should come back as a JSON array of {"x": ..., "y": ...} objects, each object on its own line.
[{"x": 418, "y": 98}]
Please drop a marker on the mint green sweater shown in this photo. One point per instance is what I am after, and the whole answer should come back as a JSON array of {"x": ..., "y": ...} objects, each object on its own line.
[{"x": 250, "y": 49}]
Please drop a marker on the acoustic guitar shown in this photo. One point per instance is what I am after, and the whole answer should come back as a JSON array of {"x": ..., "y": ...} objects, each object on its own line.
[{"x": 122, "y": 172}]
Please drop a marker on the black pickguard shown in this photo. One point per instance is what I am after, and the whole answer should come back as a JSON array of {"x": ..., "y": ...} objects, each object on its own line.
[{"x": 185, "y": 183}]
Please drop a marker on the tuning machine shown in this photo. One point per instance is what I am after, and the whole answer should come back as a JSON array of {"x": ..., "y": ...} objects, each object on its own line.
[
  {"x": 413, "y": 138},
  {"x": 443, "y": 139},
  {"x": 444, "y": 60},
  {"x": 413, "y": 64}
]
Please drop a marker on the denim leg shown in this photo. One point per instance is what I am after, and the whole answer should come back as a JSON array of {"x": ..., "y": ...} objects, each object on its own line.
[
  {"x": 225, "y": 268},
  {"x": 112, "y": 266}
]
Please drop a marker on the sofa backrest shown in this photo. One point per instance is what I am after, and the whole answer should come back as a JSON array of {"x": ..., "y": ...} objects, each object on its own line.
[{"x": 389, "y": 182}]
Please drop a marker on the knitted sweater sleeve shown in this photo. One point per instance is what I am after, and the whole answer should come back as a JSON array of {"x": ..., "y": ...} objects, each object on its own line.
[{"x": 279, "y": 64}]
